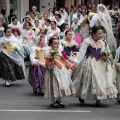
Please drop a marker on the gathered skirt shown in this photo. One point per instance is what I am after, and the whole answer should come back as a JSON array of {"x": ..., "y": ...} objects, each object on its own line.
[
  {"x": 52, "y": 85},
  {"x": 36, "y": 76},
  {"x": 9, "y": 70}
]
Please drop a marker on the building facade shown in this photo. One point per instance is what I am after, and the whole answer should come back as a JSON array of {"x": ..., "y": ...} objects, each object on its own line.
[{"x": 22, "y": 6}]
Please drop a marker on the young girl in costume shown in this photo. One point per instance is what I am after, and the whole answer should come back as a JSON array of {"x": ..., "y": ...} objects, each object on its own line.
[
  {"x": 93, "y": 78},
  {"x": 68, "y": 43},
  {"x": 11, "y": 58},
  {"x": 54, "y": 30},
  {"x": 28, "y": 36},
  {"x": 57, "y": 79},
  {"x": 37, "y": 69}
]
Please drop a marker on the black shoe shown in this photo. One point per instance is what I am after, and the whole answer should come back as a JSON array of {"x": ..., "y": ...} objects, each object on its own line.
[
  {"x": 100, "y": 105},
  {"x": 35, "y": 91},
  {"x": 118, "y": 100},
  {"x": 54, "y": 105},
  {"x": 41, "y": 93},
  {"x": 82, "y": 100},
  {"x": 60, "y": 104}
]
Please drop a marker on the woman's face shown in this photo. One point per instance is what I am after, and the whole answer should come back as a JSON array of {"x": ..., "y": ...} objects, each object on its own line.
[
  {"x": 27, "y": 26},
  {"x": 55, "y": 44},
  {"x": 98, "y": 35},
  {"x": 83, "y": 12},
  {"x": 53, "y": 25},
  {"x": 36, "y": 23},
  {"x": 48, "y": 13},
  {"x": 45, "y": 16},
  {"x": 8, "y": 33},
  {"x": 15, "y": 21},
  {"x": 27, "y": 19},
  {"x": 33, "y": 16},
  {"x": 69, "y": 36}
]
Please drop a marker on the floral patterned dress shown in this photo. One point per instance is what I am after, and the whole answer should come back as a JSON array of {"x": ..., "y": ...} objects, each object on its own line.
[{"x": 91, "y": 80}]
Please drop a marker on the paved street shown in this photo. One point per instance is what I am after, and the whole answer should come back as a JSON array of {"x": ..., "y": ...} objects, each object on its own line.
[{"x": 19, "y": 103}]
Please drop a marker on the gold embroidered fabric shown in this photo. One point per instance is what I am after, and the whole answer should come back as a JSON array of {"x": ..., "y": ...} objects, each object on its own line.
[
  {"x": 7, "y": 47},
  {"x": 40, "y": 55}
]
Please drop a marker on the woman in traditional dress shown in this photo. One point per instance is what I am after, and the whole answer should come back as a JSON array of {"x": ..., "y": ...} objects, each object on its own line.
[
  {"x": 117, "y": 60},
  {"x": 103, "y": 18},
  {"x": 11, "y": 58},
  {"x": 15, "y": 24},
  {"x": 37, "y": 69},
  {"x": 93, "y": 78},
  {"x": 16, "y": 28},
  {"x": 57, "y": 79}
]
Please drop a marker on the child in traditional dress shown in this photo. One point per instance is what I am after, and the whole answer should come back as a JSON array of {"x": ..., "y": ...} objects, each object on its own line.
[
  {"x": 57, "y": 79},
  {"x": 28, "y": 39},
  {"x": 93, "y": 78},
  {"x": 11, "y": 58},
  {"x": 75, "y": 24},
  {"x": 37, "y": 69},
  {"x": 68, "y": 43},
  {"x": 54, "y": 30}
]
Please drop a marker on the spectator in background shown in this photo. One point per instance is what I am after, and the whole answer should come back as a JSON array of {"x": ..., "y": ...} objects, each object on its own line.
[
  {"x": 3, "y": 16},
  {"x": 59, "y": 20},
  {"x": 12, "y": 14},
  {"x": 73, "y": 15},
  {"x": 89, "y": 8},
  {"x": 34, "y": 10},
  {"x": 1, "y": 28}
]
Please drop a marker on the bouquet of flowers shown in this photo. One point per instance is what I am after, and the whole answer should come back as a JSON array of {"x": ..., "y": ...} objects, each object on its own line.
[
  {"x": 107, "y": 57},
  {"x": 14, "y": 47},
  {"x": 59, "y": 59}
]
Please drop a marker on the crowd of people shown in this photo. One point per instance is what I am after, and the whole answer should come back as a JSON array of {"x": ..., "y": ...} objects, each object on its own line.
[{"x": 69, "y": 53}]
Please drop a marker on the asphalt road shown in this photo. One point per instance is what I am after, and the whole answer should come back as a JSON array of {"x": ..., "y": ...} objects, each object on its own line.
[{"x": 19, "y": 103}]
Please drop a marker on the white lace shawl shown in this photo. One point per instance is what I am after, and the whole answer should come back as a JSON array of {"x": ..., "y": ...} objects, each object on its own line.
[
  {"x": 105, "y": 21},
  {"x": 83, "y": 49},
  {"x": 13, "y": 55}
]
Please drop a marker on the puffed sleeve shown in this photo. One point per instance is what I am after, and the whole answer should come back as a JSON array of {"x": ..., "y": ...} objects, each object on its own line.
[
  {"x": 32, "y": 56},
  {"x": 82, "y": 52}
]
